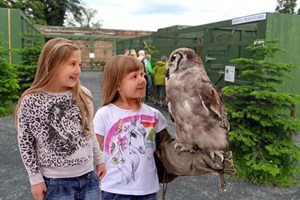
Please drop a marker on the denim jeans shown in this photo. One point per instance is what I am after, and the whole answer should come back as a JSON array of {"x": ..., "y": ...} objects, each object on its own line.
[
  {"x": 112, "y": 196},
  {"x": 82, "y": 187}
]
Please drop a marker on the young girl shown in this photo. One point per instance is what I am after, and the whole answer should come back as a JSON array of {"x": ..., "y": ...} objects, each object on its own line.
[
  {"x": 55, "y": 129},
  {"x": 127, "y": 127}
]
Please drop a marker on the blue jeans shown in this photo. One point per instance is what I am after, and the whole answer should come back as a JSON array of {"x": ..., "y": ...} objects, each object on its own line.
[
  {"x": 82, "y": 187},
  {"x": 112, "y": 196}
]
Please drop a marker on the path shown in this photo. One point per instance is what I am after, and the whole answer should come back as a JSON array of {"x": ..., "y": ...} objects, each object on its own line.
[{"x": 14, "y": 184}]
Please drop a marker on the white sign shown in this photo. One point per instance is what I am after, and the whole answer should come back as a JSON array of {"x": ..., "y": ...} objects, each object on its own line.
[
  {"x": 259, "y": 42},
  {"x": 92, "y": 55},
  {"x": 250, "y": 18},
  {"x": 229, "y": 73}
]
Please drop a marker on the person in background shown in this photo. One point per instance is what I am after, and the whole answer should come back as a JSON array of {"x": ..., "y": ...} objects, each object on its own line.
[
  {"x": 126, "y": 52},
  {"x": 150, "y": 86},
  {"x": 133, "y": 53},
  {"x": 159, "y": 77},
  {"x": 127, "y": 127},
  {"x": 143, "y": 59},
  {"x": 54, "y": 121}
]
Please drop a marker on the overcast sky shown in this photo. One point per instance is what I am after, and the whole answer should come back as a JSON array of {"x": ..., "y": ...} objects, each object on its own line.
[{"x": 154, "y": 14}]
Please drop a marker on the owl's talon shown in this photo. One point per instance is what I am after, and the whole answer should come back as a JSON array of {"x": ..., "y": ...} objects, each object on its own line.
[
  {"x": 218, "y": 154},
  {"x": 183, "y": 147}
]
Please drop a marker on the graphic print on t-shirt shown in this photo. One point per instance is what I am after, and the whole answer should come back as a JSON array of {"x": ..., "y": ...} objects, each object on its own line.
[{"x": 127, "y": 141}]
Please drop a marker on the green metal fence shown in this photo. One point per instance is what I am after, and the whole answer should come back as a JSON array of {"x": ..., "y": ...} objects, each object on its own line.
[
  {"x": 16, "y": 31},
  {"x": 217, "y": 43}
]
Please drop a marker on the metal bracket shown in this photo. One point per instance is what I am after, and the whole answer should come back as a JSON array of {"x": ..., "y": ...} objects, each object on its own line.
[{"x": 207, "y": 58}]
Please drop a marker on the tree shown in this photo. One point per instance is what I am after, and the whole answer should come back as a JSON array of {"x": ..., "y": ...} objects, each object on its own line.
[
  {"x": 260, "y": 122},
  {"x": 56, "y": 10},
  {"x": 46, "y": 12},
  {"x": 86, "y": 20},
  {"x": 287, "y": 6}
]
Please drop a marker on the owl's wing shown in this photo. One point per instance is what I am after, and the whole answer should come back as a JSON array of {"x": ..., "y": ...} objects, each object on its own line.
[{"x": 212, "y": 103}]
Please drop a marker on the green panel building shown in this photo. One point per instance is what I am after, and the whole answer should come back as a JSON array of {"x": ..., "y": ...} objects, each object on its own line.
[
  {"x": 16, "y": 32},
  {"x": 217, "y": 43}
]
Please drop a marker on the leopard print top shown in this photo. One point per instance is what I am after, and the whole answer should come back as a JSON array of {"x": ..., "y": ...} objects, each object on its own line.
[{"x": 51, "y": 138}]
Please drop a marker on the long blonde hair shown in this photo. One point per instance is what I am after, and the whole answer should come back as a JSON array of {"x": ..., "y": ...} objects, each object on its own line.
[
  {"x": 114, "y": 71},
  {"x": 55, "y": 52}
]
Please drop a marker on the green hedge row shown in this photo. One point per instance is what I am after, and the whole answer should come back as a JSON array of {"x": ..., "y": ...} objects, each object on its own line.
[{"x": 14, "y": 79}]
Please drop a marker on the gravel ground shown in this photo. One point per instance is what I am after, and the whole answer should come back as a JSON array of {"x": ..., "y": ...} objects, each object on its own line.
[{"x": 14, "y": 184}]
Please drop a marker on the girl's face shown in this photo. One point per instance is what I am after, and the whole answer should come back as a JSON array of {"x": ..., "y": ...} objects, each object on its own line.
[
  {"x": 133, "y": 85},
  {"x": 67, "y": 74}
]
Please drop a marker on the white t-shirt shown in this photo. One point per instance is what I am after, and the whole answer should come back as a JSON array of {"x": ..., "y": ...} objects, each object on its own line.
[{"x": 129, "y": 144}]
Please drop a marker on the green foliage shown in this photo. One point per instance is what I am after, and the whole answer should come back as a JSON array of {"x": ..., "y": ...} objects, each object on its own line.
[
  {"x": 286, "y": 6},
  {"x": 56, "y": 11},
  {"x": 3, "y": 4},
  {"x": 8, "y": 84},
  {"x": 152, "y": 50},
  {"x": 260, "y": 121},
  {"x": 85, "y": 20},
  {"x": 50, "y": 12},
  {"x": 26, "y": 69}
]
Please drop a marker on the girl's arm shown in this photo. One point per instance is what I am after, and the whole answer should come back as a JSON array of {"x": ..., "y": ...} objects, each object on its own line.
[
  {"x": 27, "y": 142},
  {"x": 100, "y": 139},
  {"x": 98, "y": 123},
  {"x": 27, "y": 145},
  {"x": 100, "y": 165}
]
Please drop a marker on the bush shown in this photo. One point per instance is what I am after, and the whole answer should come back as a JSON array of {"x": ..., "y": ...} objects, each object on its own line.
[
  {"x": 8, "y": 84},
  {"x": 27, "y": 68},
  {"x": 260, "y": 121}
]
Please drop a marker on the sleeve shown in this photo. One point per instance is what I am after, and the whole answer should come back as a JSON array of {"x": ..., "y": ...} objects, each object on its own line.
[
  {"x": 162, "y": 122},
  {"x": 99, "y": 124},
  {"x": 154, "y": 71},
  {"x": 149, "y": 67},
  {"x": 27, "y": 143},
  {"x": 189, "y": 164}
]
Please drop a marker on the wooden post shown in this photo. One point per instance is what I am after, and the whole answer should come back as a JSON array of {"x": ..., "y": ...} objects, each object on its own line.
[
  {"x": 293, "y": 114},
  {"x": 9, "y": 36}
]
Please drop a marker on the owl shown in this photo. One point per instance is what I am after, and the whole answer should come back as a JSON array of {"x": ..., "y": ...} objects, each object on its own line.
[{"x": 195, "y": 105}]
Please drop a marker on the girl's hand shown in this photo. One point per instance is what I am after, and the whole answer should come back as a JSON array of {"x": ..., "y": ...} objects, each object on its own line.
[
  {"x": 101, "y": 170},
  {"x": 38, "y": 191}
]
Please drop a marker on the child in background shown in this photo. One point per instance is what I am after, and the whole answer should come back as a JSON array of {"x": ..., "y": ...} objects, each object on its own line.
[
  {"x": 55, "y": 128},
  {"x": 159, "y": 77},
  {"x": 127, "y": 127}
]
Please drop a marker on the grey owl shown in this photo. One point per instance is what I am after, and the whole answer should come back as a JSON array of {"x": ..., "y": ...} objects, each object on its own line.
[{"x": 195, "y": 105}]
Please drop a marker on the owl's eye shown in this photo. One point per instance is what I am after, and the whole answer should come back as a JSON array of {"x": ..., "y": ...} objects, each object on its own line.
[{"x": 173, "y": 57}]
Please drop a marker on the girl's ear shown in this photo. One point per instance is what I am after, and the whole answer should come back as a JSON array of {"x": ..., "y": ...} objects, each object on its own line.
[{"x": 119, "y": 87}]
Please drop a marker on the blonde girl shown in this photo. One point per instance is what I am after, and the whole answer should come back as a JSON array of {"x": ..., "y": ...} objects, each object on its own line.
[
  {"x": 126, "y": 127},
  {"x": 55, "y": 129}
]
